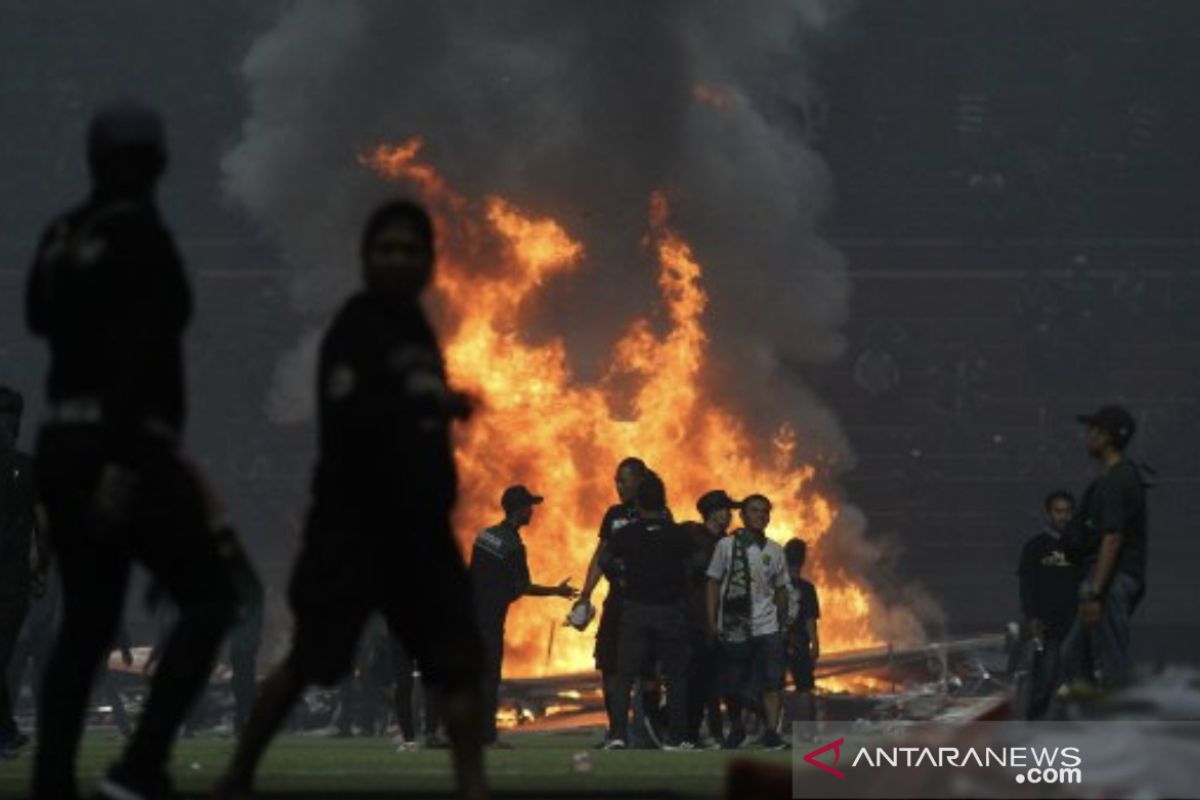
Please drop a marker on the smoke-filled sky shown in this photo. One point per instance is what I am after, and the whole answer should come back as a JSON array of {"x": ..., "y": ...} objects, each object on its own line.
[{"x": 577, "y": 111}]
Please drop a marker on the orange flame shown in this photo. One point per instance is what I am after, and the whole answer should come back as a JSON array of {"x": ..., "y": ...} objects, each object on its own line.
[{"x": 541, "y": 426}]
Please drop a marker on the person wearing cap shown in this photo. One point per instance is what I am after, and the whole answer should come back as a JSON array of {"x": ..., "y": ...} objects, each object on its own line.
[
  {"x": 500, "y": 576},
  {"x": 747, "y": 612},
  {"x": 657, "y": 555},
  {"x": 109, "y": 295},
  {"x": 802, "y": 642},
  {"x": 704, "y": 700},
  {"x": 1110, "y": 539}
]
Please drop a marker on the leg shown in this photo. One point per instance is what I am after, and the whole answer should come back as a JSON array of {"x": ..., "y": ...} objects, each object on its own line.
[
  {"x": 180, "y": 550},
  {"x": 493, "y": 655},
  {"x": 12, "y": 615},
  {"x": 608, "y": 632},
  {"x": 769, "y": 672},
  {"x": 402, "y": 697},
  {"x": 632, "y": 652},
  {"x": 93, "y": 595},
  {"x": 244, "y": 643},
  {"x": 676, "y": 659},
  {"x": 1111, "y": 639}
]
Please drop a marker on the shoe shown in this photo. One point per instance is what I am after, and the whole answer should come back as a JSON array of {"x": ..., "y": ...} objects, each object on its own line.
[
  {"x": 684, "y": 746},
  {"x": 734, "y": 740},
  {"x": 615, "y": 744},
  {"x": 773, "y": 741},
  {"x": 123, "y": 783}
]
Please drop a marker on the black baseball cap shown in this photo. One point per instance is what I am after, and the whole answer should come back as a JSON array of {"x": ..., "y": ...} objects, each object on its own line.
[
  {"x": 1115, "y": 420},
  {"x": 518, "y": 496},
  {"x": 715, "y": 501}
]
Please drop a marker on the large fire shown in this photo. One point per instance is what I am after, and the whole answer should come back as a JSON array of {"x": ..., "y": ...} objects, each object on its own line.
[{"x": 541, "y": 426}]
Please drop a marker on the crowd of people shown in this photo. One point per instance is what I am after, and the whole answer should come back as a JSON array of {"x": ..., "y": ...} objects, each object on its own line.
[{"x": 713, "y": 619}]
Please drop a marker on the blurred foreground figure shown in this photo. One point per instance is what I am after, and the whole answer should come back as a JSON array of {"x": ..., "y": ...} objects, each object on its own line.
[
  {"x": 378, "y": 536},
  {"x": 22, "y": 567},
  {"x": 108, "y": 293}
]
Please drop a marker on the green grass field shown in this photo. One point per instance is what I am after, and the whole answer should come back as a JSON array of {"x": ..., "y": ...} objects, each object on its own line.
[{"x": 542, "y": 762}]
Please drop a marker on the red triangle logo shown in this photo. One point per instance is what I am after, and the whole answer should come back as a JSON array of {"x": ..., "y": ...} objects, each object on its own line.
[{"x": 836, "y": 747}]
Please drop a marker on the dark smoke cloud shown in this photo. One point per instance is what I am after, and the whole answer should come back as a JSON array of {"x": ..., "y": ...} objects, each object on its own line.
[{"x": 576, "y": 110}]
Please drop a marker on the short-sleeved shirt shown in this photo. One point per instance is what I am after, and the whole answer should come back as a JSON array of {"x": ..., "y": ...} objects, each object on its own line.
[
  {"x": 499, "y": 570},
  {"x": 616, "y": 518},
  {"x": 768, "y": 573},
  {"x": 657, "y": 557},
  {"x": 803, "y": 604},
  {"x": 1116, "y": 501},
  {"x": 1049, "y": 583},
  {"x": 18, "y": 499}
]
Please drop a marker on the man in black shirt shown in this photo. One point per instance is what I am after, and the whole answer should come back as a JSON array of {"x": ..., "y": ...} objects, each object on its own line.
[
  {"x": 378, "y": 535},
  {"x": 630, "y": 473},
  {"x": 657, "y": 556},
  {"x": 500, "y": 575},
  {"x": 1110, "y": 535},
  {"x": 704, "y": 697},
  {"x": 1049, "y": 582},
  {"x": 802, "y": 642},
  {"x": 19, "y": 574},
  {"x": 109, "y": 294}
]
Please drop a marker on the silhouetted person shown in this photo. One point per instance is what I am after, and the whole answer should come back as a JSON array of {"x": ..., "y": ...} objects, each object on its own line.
[
  {"x": 608, "y": 632},
  {"x": 1112, "y": 554},
  {"x": 1049, "y": 586},
  {"x": 500, "y": 576},
  {"x": 378, "y": 535},
  {"x": 657, "y": 557},
  {"x": 747, "y": 610},
  {"x": 109, "y": 295},
  {"x": 18, "y": 575},
  {"x": 404, "y": 669},
  {"x": 802, "y": 640},
  {"x": 704, "y": 697}
]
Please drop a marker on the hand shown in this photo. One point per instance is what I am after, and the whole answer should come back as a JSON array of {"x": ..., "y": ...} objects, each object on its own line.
[
  {"x": 113, "y": 496},
  {"x": 565, "y": 589},
  {"x": 1090, "y": 612}
]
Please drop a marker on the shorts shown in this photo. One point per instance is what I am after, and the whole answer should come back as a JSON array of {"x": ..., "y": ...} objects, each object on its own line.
[
  {"x": 800, "y": 665},
  {"x": 752, "y": 667},
  {"x": 608, "y": 641},
  {"x": 419, "y": 584}
]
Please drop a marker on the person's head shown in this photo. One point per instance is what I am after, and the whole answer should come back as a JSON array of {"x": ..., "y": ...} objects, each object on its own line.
[
  {"x": 398, "y": 249},
  {"x": 629, "y": 474},
  {"x": 1108, "y": 431},
  {"x": 756, "y": 513},
  {"x": 796, "y": 551},
  {"x": 126, "y": 148},
  {"x": 11, "y": 406},
  {"x": 1060, "y": 508},
  {"x": 716, "y": 510},
  {"x": 518, "y": 502},
  {"x": 651, "y": 495}
]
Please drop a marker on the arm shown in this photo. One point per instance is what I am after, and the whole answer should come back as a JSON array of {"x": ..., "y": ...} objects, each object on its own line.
[
  {"x": 712, "y": 599},
  {"x": 564, "y": 589},
  {"x": 781, "y": 607},
  {"x": 1106, "y": 562},
  {"x": 814, "y": 639},
  {"x": 594, "y": 572}
]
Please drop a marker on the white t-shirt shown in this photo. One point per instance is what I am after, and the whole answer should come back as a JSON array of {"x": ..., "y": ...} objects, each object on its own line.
[{"x": 768, "y": 572}]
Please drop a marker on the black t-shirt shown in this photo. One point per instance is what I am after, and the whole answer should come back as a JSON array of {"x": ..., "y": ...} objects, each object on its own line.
[
  {"x": 18, "y": 499},
  {"x": 657, "y": 557},
  {"x": 1049, "y": 583},
  {"x": 109, "y": 294},
  {"x": 1116, "y": 501},
  {"x": 808, "y": 607},
  {"x": 499, "y": 570},
  {"x": 615, "y": 519},
  {"x": 384, "y": 437},
  {"x": 704, "y": 543}
]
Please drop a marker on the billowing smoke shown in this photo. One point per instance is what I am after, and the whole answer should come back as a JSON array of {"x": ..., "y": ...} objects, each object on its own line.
[{"x": 579, "y": 111}]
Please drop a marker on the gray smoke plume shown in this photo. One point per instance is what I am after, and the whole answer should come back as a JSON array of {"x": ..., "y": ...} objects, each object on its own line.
[{"x": 576, "y": 111}]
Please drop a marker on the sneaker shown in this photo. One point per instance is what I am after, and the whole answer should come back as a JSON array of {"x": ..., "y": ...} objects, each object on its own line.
[
  {"x": 734, "y": 740},
  {"x": 684, "y": 746},
  {"x": 614, "y": 744},
  {"x": 773, "y": 741}
]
